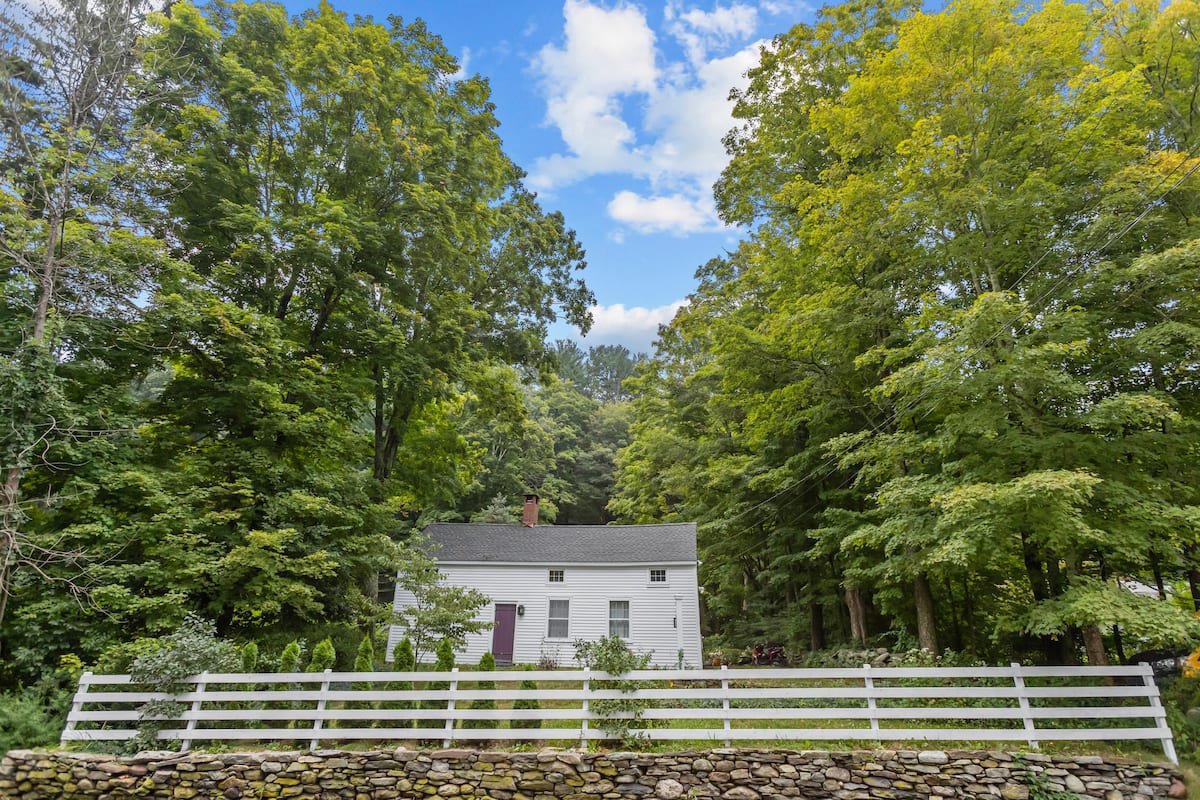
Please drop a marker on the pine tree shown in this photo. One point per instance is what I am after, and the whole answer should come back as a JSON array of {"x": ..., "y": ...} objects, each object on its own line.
[
  {"x": 445, "y": 663},
  {"x": 249, "y": 653},
  {"x": 323, "y": 656},
  {"x": 404, "y": 661},
  {"x": 526, "y": 702},
  {"x": 289, "y": 660},
  {"x": 364, "y": 660},
  {"x": 487, "y": 663}
]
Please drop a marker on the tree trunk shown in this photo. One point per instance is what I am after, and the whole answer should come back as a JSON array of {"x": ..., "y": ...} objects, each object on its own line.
[
  {"x": 926, "y": 618},
  {"x": 858, "y": 615},
  {"x": 816, "y": 626},
  {"x": 1158, "y": 576},
  {"x": 956, "y": 624},
  {"x": 1193, "y": 576},
  {"x": 1093, "y": 643}
]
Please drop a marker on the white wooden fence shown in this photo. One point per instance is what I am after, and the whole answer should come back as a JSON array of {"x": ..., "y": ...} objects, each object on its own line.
[{"x": 967, "y": 704}]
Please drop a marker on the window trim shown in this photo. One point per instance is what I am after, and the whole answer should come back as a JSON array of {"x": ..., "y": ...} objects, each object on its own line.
[
  {"x": 628, "y": 637},
  {"x": 566, "y": 638}
]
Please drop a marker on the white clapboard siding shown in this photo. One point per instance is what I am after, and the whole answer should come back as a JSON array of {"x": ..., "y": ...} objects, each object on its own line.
[
  {"x": 985, "y": 704},
  {"x": 664, "y": 617}
]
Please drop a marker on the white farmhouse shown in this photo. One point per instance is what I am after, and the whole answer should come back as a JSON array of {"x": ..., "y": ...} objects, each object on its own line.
[{"x": 550, "y": 585}]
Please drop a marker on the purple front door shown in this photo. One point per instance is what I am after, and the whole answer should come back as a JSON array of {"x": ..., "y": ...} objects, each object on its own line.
[{"x": 503, "y": 633}]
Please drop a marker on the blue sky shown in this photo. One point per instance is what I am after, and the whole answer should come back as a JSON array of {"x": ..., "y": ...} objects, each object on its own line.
[{"x": 616, "y": 110}]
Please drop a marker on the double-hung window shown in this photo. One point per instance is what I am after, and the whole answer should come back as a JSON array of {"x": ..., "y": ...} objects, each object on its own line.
[
  {"x": 559, "y": 624},
  {"x": 618, "y": 618}
]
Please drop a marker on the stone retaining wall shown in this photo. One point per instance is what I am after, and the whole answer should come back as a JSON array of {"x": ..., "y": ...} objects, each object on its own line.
[{"x": 568, "y": 775}]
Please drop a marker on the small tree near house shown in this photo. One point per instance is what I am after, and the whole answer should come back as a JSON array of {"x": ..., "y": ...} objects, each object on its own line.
[{"x": 437, "y": 611}]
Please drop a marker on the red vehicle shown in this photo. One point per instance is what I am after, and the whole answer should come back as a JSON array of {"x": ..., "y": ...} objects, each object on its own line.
[{"x": 768, "y": 654}]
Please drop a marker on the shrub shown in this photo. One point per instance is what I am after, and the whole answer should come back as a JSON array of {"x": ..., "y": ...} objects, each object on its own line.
[
  {"x": 404, "y": 661},
  {"x": 289, "y": 660},
  {"x": 26, "y": 723},
  {"x": 445, "y": 663},
  {"x": 616, "y": 717},
  {"x": 526, "y": 702},
  {"x": 193, "y": 648},
  {"x": 249, "y": 654},
  {"x": 323, "y": 656},
  {"x": 33, "y": 716},
  {"x": 487, "y": 663},
  {"x": 364, "y": 660}
]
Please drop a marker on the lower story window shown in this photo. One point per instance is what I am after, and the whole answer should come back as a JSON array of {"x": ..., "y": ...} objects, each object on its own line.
[
  {"x": 618, "y": 618},
  {"x": 559, "y": 624}
]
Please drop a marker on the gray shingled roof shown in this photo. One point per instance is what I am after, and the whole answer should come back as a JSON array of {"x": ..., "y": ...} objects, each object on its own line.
[{"x": 564, "y": 544}]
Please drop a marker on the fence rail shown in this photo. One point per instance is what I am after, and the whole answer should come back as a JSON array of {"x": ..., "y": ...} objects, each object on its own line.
[{"x": 961, "y": 704}]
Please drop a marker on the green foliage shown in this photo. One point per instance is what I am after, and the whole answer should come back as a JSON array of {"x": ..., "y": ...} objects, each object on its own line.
[
  {"x": 445, "y": 655},
  {"x": 289, "y": 660},
  {"x": 438, "y": 612},
  {"x": 496, "y": 512},
  {"x": 402, "y": 655},
  {"x": 445, "y": 663},
  {"x": 191, "y": 649},
  {"x": 208, "y": 453},
  {"x": 323, "y": 656},
  {"x": 616, "y": 718},
  {"x": 249, "y": 653},
  {"x": 33, "y": 716},
  {"x": 27, "y": 723},
  {"x": 403, "y": 661},
  {"x": 931, "y": 391},
  {"x": 487, "y": 663},
  {"x": 526, "y": 703},
  {"x": 364, "y": 659}
]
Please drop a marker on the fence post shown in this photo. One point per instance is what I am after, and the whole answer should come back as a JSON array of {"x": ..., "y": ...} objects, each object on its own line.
[
  {"x": 586, "y": 710},
  {"x": 450, "y": 707},
  {"x": 1023, "y": 701},
  {"x": 76, "y": 705},
  {"x": 725, "y": 701},
  {"x": 191, "y": 723},
  {"x": 318, "y": 722},
  {"x": 869, "y": 684},
  {"x": 1168, "y": 740}
]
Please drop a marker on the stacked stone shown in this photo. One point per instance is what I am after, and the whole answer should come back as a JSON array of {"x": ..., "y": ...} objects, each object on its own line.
[{"x": 731, "y": 774}]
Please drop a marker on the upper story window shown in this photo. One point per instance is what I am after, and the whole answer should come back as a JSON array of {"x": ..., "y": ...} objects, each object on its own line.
[
  {"x": 559, "y": 623},
  {"x": 556, "y": 576},
  {"x": 658, "y": 576},
  {"x": 618, "y": 618}
]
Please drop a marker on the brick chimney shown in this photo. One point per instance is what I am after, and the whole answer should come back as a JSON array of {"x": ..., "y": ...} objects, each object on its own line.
[{"x": 529, "y": 516}]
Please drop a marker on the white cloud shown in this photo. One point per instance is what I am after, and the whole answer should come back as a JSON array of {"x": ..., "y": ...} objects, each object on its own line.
[
  {"x": 676, "y": 213},
  {"x": 609, "y": 63},
  {"x": 635, "y": 327},
  {"x": 608, "y": 53},
  {"x": 690, "y": 119},
  {"x": 777, "y": 7},
  {"x": 464, "y": 65},
  {"x": 698, "y": 31}
]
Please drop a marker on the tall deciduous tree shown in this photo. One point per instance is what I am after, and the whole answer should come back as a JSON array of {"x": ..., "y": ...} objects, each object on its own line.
[{"x": 938, "y": 362}]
